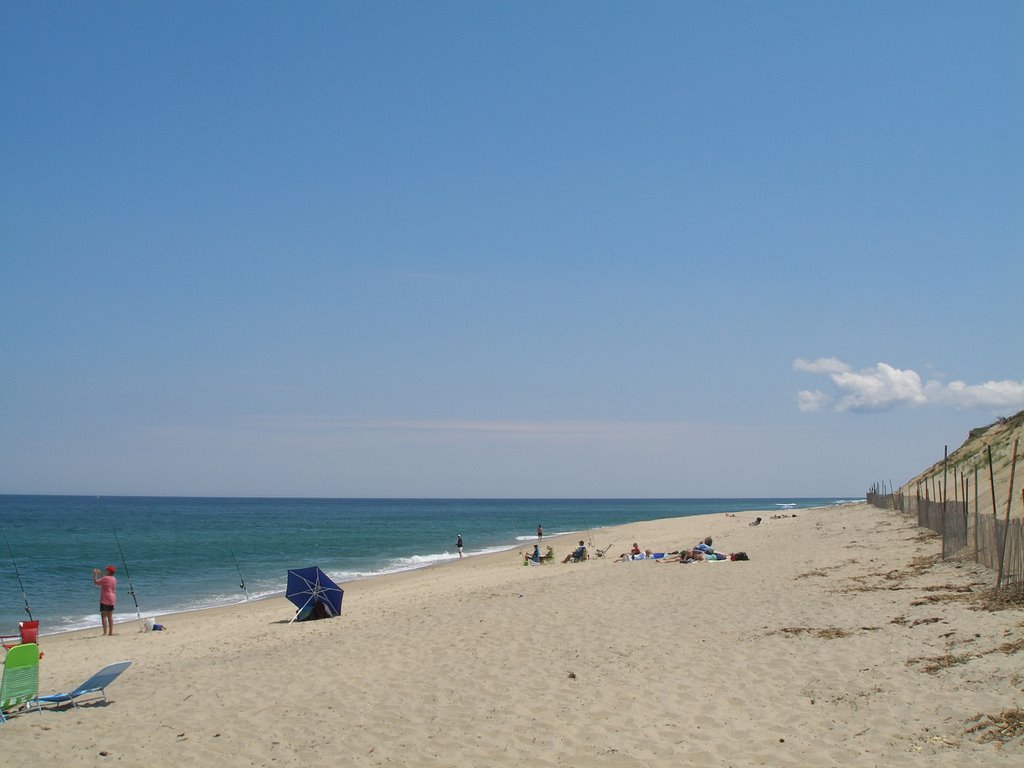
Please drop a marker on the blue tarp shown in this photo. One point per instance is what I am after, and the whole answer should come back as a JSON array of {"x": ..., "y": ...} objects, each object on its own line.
[{"x": 313, "y": 593}]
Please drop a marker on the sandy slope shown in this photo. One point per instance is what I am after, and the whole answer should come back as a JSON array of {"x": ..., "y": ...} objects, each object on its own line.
[{"x": 971, "y": 460}]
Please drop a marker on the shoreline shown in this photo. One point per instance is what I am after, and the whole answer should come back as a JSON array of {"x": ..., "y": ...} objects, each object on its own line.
[
  {"x": 815, "y": 652},
  {"x": 520, "y": 546},
  {"x": 566, "y": 539},
  {"x": 88, "y": 621}
]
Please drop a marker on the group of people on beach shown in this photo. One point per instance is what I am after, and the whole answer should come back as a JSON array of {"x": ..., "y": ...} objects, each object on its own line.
[
  {"x": 536, "y": 558},
  {"x": 702, "y": 551}
]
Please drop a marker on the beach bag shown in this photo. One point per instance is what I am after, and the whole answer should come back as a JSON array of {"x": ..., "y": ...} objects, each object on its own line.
[{"x": 739, "y": 556}]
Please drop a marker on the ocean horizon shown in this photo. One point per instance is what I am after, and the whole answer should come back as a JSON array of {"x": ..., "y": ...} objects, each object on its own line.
[{"x": 175, "y": 554}]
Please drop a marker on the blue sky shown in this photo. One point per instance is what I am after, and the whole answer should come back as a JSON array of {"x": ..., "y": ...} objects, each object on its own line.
[{"x": 505, "y": 249}]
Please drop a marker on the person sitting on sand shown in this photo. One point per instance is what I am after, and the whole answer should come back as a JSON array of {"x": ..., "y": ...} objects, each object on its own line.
[
  {"x": 580, "y": 553},
  {"x": 705, "y": 546},
  {"x": 626, "y": 557},
  {"x": 757, "y": 521},
  {"x": 634, "y": 554}
]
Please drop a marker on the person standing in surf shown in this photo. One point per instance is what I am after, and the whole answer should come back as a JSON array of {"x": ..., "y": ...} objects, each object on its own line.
[
  {"x": 458, "y": 544},
  {"x": 540, "y": 533},
  {"x": 108, "y": 597}
]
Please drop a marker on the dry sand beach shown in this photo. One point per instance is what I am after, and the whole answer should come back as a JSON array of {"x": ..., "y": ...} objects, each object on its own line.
[{"x": 841, "y": 642}]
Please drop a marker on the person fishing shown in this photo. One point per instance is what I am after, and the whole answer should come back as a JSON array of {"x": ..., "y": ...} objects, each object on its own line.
[{"x": 108, "y": 596}]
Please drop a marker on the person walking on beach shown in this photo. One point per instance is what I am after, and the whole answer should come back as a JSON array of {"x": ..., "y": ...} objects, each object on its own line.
[
  {"x": 540, "y": 533},
  {"x": 108, "y": 597},
  {"x": 458, "y": 544}
]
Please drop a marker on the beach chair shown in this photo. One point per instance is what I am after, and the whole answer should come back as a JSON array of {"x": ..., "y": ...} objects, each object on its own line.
[
  {"x": 20, "y": 685},
  {"x": 95, "y": 684}
]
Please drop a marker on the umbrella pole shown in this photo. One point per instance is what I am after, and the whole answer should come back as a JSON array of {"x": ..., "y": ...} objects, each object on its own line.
[{"x": 300, "y": 610}]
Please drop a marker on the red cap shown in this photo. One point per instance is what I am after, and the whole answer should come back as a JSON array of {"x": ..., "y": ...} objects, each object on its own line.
[{"x": 111, "y": 570}]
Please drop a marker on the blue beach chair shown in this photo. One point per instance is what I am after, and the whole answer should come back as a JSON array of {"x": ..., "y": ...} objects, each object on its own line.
[{"x": 95, "y": 684}]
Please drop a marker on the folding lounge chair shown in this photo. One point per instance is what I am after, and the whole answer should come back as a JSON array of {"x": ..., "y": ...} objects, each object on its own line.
[
  {"x": 20, "y": 685},
  {"x": 95, "y": 684}
]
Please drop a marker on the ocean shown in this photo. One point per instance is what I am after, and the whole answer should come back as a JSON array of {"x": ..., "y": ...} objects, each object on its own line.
[{"x": 182, "y": 554}]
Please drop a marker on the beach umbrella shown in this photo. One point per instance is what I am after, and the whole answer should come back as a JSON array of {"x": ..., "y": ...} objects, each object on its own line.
[{"x": 313, "y": 593}]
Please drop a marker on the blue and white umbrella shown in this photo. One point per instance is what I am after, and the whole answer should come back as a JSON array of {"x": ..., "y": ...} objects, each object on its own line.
[{"x": 313, "y": 593}]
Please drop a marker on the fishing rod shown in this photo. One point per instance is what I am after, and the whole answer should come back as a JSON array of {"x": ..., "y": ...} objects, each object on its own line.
[
  {"x": 241, "y": 579},
  {"x": 127, "y": 575},
  {"x": 18, "y": 574}
]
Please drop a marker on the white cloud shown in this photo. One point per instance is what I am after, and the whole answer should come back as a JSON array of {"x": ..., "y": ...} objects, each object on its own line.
[
  {"x": 885, "y": 387},
  {"x": 959, "y": 395},
  {"x": 811, "y": 402},
  {"x": 821, "y": 365},
  {"x": 878, "y": 389}
]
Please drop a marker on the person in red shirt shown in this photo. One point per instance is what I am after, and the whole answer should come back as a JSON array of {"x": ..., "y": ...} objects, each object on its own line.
[{"x": 108, "y": 597}]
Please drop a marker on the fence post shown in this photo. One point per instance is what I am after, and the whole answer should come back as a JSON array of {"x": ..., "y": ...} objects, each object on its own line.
[
  {"x": 992, "y": 484},
  {"x": 1006, "y": 530},
  {"x": 964, "y": 485},
  {"x": 945, "y": 483},
  {"x": 977, "y": 557}
]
